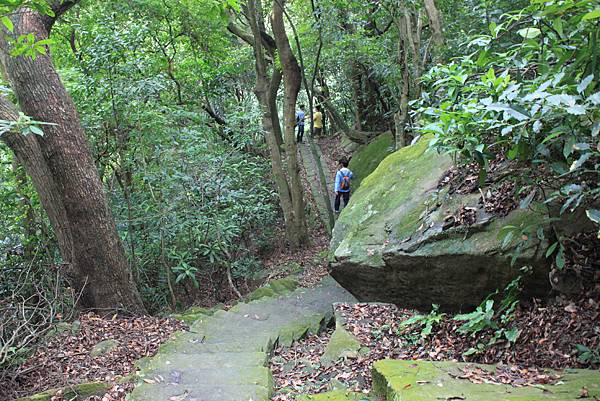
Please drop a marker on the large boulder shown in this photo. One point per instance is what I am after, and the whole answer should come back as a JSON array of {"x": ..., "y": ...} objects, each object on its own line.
[{"x": 392, "y": 243}]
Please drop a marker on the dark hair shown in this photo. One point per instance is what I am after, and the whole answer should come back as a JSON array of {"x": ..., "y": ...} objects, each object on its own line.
[
  {"x": 301, "y": 107},
  {"x": 344, "y": 162},
  {"x": 319, "y": 107}
]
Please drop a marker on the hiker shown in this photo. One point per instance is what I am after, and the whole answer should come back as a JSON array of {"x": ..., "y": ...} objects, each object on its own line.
[
  {"x": 300, "y": 116},
  {"x": 318, "y": 121},
  {"x": 342, "y": 184}
]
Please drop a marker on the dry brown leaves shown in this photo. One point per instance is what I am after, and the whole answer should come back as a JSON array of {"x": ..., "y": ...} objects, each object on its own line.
[
  {"x": 500, "y": 200},
  {"x": 298, "y": 370},
  {"x": 582, "y": 254},
  {"x": 65, "y": 359},
  {"x": 463, "y": 179},
  {"x": 504, "y": 374},
  {"x": 547, "y": 337}
]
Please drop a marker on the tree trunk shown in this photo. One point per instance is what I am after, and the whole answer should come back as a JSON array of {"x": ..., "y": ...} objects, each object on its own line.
[
  {"x": 262, "y": 90},
  {"x": 29, "y": 154},
  {"x": 274, "y": 85},
  {"x": 96, "y": 257},
  {"x": 401, "y": 117},
  {"x": 292, "y": 80},
  {"x": 435, "y": 22}
]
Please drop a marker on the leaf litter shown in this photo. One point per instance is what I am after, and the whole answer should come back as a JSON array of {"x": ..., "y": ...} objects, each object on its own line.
[
  {"x": 65, "y": 359},
  {"x": 547, "y": 335}
]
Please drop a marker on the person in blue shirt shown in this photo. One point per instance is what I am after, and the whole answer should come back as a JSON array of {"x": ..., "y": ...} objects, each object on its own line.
[
  {"x": 342, "y": 184},
  {"x": 300, "y": 117}
]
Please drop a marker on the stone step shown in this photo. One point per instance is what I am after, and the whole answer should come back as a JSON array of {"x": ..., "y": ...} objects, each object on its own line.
[
  {"x": 425, "y": 380},
  {"x": 193, "y": 376},
  {"x": 213, "y": 360},
  {"x": 207, "y": 392},
  {"x": 223, "y": 356}
]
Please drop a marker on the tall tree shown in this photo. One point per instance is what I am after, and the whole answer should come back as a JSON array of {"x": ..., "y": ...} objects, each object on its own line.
[
  {"x": 62, "y": 169},
  {"x": 287, "y": 180},
  {"x": 413, "y": 55}
]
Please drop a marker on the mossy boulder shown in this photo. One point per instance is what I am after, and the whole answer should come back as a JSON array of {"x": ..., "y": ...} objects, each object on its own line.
[
  {"x": 424, "y": 381},
  {"x": 77, "y": 392},
  {"x": 367, "y": 157},
  {"x": 104, "y": 347},
  {"x": 392, "y": 244}
]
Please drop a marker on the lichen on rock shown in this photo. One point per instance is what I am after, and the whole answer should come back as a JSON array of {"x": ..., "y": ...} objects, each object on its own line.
[{"x": 77, "y": 392}]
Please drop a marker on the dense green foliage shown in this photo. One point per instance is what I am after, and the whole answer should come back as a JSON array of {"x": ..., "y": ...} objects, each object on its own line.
[{"x": 527, "y": 89}]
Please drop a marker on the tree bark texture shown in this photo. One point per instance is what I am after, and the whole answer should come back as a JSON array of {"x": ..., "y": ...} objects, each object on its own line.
[
  {"x": 63, "y": 172},
  {"x": 435, "y": 22}
]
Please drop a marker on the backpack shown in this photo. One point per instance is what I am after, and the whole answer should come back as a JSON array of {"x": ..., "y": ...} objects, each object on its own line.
[{"x": 345, "y": 182}]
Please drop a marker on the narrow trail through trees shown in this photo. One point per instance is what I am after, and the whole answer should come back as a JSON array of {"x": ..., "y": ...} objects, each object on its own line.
[{"x": 320, "y": 180}]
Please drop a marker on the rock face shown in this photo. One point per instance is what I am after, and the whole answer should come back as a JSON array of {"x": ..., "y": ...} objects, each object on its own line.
[
  {"x": 367, "y": 157},
  {"x": 391, "y": 245}
]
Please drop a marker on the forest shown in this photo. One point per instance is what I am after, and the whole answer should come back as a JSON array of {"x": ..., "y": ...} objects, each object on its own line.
[{"x": 172, "y": 174}]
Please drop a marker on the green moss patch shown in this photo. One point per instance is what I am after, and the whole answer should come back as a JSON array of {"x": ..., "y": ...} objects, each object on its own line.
[
  {"x": 194, "y": 313},
  {"x": 283, "y": 286},
  {"x": 76, "y": 392},
  {"x": 261, "y": 292},
  {"x": 366, "y": 158}
]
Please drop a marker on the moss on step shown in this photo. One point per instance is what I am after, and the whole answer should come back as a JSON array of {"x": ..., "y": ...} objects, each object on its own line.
[
  {"x": 261, "y": 292},
  {"x": 196, "y": 312},
  {"x": 276, "y": 287},
  {"x": 424, "y": 381},
  {"x": 283, "y": 286},
  {"x": 337, "y": 395},
  {"x": 76, "y": 392},
  {"x": 366, "y": 158},
  {"x": 342, "y": 344}
]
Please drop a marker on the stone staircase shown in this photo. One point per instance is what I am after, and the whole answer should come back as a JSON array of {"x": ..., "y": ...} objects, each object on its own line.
[{"x": 224, "y": 356}]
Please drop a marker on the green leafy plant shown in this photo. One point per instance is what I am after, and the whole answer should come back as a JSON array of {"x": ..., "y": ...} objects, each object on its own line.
[
  {"x": 426, "y": 322},
  {"x": 587, "y": 355},
  {"x": 528, "y": 97},
  {"x": 480, "y": 319}
]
